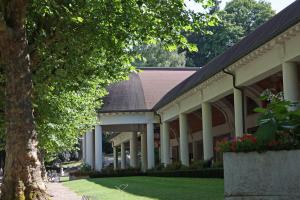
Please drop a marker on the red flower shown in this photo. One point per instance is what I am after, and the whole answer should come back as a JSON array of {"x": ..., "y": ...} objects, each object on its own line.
[
  {"x": 273, "y": 143},
  {"x": 249, "y": 137},
  {"x": 233, "y": 146}
]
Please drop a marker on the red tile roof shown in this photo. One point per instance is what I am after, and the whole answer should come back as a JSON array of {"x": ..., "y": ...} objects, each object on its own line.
[{"x": 144, "y": 89}]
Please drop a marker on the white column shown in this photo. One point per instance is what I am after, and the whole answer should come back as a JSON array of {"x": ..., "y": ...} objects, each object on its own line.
[
  {"x": 89, "y": 148},
  {"x": 150, "y": 145},
  {"x": 166, "y": 143},
  {"x": 161, "y": 156},
  {"x": 290, "y": 81},
  {"x": 133, "y": 150},
  {"x": 171, "y": 154},
  {"x": 195, "y": 151},
  {"x": 238, "y": 112},
  {"x": 83, "y": 148},
  {"x": 207, "y": 131},
  {"x": 184, "y": 142},
  {"x": 123, "y": 156},
  {"x": 115, "y": 157},
  {"x": 98, "y": 148},
  {"x": 144, "y": 151}
]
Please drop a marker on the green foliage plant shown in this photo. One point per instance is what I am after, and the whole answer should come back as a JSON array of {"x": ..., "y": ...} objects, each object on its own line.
[{"x": 278, "y": 128}]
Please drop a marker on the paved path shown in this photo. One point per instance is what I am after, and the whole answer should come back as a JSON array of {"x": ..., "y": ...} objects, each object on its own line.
[{"x": 60, "y": 192}]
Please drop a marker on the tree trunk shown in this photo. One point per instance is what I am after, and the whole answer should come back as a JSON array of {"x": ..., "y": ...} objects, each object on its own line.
[
  {"x": 22, "y": 175},
  {"x": 41, "y": 157}
]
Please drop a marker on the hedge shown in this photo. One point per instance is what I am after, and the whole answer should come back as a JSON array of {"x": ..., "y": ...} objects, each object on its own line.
[
  {"x": 201, "y": 173},
  {"x": 117, "y": 173}
]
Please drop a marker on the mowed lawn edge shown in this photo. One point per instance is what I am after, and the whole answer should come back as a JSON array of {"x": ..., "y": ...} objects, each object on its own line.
[{"x": 144, "y": 187}]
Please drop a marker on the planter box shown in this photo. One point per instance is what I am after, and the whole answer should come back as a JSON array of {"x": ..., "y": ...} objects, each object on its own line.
[{"x": 272, "y": 175}]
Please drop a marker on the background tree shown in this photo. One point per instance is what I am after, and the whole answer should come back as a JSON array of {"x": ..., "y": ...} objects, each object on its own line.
[
  {"x": 58, "y": 56},
  {"x": 157, "y": 56},
  {"x": 238, "y": 19}
]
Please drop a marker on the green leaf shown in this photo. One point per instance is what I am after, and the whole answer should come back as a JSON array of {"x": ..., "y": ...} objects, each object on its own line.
[
  {"x": 260, "y": 110},
  {"x": 77, "y": 19},
  {"x": 266, "y": 132}
]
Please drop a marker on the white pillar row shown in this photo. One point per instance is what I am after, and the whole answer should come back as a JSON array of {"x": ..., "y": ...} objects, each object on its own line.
[
  {"x": 115, "y": 152},
  {"x": 133, "y": 150},
  {"x": 208, "y": 151},
  {"x": 290, "y": 81},
  {"x": 150, "y": 145},
  {"x": 83, "y": 146},
  {"x": 165, "y": 143},
  {"x": 144, "y": 151},
  {"x": 184, "y": 142},
  {"x": 238, "y": 112},
  {"x": 123, "y": 156},
  {"x": 90, "y": 148},
  {"x": 98, "y": 148}
]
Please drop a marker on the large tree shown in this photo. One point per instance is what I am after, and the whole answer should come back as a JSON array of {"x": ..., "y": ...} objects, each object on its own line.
[
  {"x": 58, "y": 56},
  {"x": 238, "y": 19}
]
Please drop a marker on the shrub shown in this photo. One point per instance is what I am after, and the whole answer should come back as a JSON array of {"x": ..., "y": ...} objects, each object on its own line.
[
  {"x": 203, "y": 173},
  {"x": 79, "y": 173},
  {"x": 117, "y": 173},
  {"x": 197, "y": 164},
  {"x": 218, "y": 165},
  {"x": 107, "y": 170},
  {"x": 85, "y": 168},
  {"x": 176, "y": 165},
  {"x": 159, "y": 167},
  {"x": 179, "y": 172}
]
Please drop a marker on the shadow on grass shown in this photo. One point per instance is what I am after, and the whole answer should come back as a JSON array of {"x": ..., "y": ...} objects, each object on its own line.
[{"x": 163, "y": 188}]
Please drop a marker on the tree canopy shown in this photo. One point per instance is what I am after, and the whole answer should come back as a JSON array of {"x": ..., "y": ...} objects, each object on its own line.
[
  {"x": 157, "y": 56},
  {"x": 70, "y": 50},
  {"x": 238, "y": 19},
  {"x": 78, "y": 47}
]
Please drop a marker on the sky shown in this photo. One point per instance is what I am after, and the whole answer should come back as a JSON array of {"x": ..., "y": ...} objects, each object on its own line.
[{"x": 277, "y": 5}]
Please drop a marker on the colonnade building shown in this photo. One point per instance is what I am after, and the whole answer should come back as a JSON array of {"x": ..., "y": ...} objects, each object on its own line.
[{"x": 163, "y": 115}]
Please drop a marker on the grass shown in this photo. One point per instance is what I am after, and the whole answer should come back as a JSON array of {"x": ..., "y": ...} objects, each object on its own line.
[{"x": 149, "y": 188}]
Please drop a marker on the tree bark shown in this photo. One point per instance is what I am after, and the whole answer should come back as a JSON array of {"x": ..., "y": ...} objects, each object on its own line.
[
  {"x": 22, "y": 175},
  {"x": 41, "y": 157}
]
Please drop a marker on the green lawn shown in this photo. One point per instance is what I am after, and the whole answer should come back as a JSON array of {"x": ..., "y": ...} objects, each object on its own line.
[{"x": 149, "y": 188}]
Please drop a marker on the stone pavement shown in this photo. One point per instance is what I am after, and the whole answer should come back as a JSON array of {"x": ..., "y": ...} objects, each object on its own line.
[{"x": 60, "y": 192}]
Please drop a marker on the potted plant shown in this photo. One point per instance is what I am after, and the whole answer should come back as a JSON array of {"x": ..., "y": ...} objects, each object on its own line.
[{"x": 265, "y": 165}]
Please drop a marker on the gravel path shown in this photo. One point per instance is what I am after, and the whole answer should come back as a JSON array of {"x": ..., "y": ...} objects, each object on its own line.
[{"x": 60, "y": 192}]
